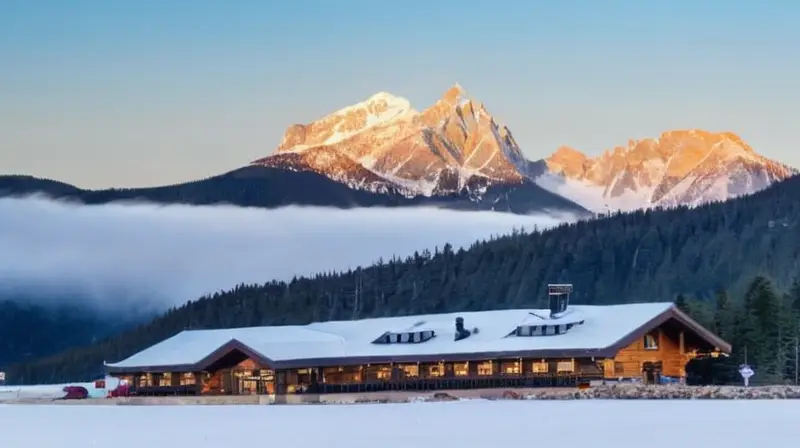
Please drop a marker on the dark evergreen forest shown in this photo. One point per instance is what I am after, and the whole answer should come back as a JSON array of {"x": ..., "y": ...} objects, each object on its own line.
[
  {"x": 31, "y": 331},
  {"x": 733, "y": 265}
]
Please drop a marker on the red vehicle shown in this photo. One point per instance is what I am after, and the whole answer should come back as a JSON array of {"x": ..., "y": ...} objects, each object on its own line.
[
  {"x": 123, "y": 389},
  {"x": 75, "y": 393}
]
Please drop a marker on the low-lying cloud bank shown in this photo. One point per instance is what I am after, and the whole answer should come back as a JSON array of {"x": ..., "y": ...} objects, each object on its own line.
[{"x": 150, "y": 256}]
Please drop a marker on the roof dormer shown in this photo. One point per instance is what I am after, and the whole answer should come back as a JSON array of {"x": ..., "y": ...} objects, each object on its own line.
[
  {"x": 405, "y": 337},
  {"x": 544, "y": 329}
]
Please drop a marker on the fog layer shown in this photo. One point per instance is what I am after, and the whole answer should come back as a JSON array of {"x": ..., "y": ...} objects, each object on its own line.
[{"x": 149, "y": 256}]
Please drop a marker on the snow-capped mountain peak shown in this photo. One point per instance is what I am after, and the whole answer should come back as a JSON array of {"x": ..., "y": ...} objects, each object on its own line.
[
  {"x": 682, "y": 167},
  {"x": 347, "y": 122},
  {"x": 452, "y": 145}
]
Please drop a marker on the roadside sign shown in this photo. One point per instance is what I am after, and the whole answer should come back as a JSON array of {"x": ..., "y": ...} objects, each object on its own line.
[{"x": 746, "y": 372}]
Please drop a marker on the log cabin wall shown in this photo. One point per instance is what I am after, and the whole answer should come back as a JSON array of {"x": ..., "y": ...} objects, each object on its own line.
[{"x": 661, "y": 345}]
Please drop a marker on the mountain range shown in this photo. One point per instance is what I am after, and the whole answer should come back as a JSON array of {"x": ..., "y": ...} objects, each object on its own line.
[
  {"x": 456, "y": 146},
  {"x": 454, "y": 154}
]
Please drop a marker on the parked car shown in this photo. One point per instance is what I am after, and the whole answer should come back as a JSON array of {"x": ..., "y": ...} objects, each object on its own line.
[{"x": 75, "y": 393}]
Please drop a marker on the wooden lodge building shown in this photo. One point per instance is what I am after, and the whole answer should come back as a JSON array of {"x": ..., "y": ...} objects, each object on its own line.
[{"x": 562, "y": 346}]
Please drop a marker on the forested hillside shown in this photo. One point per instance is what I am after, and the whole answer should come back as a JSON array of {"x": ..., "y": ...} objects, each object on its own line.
[
  {"x": 762, "y": 324},
  {"x": 640, "y": 256},
  {"x": 30, "y": 331},
  {"x": 259, "y": 186}
]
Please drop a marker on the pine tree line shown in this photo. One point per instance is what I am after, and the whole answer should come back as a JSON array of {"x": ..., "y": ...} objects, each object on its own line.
[{"x": 763, "y": 326}]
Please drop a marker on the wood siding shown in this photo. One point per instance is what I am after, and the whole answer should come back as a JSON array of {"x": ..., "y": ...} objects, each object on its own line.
[{"x": 671, "y": 352}]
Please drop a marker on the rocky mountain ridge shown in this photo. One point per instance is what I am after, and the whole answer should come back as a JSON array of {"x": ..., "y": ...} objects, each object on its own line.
[
  {"x": 384, "y": 144},
  {"x": 455, "y": 146},
  {"x": 682, "y": 167}
]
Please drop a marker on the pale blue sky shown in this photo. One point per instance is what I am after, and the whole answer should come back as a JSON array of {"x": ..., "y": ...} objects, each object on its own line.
[{"x": 127, "y": 93}]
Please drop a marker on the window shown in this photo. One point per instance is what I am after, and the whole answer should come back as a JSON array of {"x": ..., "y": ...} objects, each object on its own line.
[
  {"x": 565, "y": 366},
  {"x": 408, "y": 337},
  {"x": 651, "y": 341},
  {"x": 525, "y": 330},
  {"x": 511, "y": 368},
  {"x": 436, "y": 370},
  {"x": 165, "y": 380},
  {"x": 485, "y": 368},
  {"x": 411, "y": 370},
  {"x": 187, "y": 379},
  {"x": 461, "y": 369},
  {"x": 619, "y": 368},
  {"x": 540, "y": 367}
]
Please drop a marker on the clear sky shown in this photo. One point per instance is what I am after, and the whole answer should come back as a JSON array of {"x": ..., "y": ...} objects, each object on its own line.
[{"x": 128, "y": 93}]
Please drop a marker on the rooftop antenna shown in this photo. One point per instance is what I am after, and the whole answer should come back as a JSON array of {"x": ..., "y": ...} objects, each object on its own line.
[{"x": 558, "y": 298}]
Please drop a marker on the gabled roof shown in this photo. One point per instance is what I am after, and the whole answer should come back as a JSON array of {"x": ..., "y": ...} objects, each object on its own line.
[{"x": 606, "y": 329}]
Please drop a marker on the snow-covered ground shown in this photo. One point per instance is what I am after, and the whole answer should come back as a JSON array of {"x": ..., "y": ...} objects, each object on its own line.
[
  {"x": 464, "y": 424},
  {"x": 49, "y": 391}
]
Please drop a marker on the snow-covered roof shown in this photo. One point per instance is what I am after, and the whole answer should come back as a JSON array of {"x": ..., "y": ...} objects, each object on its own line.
[{"x": 354, "y": 340}]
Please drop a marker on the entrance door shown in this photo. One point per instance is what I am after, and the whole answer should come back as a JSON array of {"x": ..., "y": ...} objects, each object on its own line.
[
  {"x": 228, "y": 383},
  {"x": 651, "y": 372}
]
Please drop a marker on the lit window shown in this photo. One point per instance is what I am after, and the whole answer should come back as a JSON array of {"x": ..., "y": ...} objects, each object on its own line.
[
  {"x": 511, "y": 368},
  {"x": 565, "y": 366},
  {"x": 384, "y": 373},
  {"x": 485, "y": 368},
  {"x": 165, "y": 380},
  {"x": 411, "y": 370},
  {"x": 461, "y": 369},
  {"x": 187, "y": 379},
  {"x": 540, "y": 367},
  {"x": 651, "y": 341},
  {"x": 436, "y": 370}
]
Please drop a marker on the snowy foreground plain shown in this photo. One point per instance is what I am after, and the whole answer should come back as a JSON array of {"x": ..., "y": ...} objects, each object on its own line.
[{"x": 463, "y": 424}]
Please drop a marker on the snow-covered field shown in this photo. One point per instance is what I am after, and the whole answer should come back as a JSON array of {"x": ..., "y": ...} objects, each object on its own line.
[
  {"x": 464, "y": 424},
  {"x": 49, "y": 391}
]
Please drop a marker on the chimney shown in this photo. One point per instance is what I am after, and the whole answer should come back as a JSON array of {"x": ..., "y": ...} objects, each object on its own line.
[
  {"x": 558, "y": 295},
  {"x": 461, "y": 333}
]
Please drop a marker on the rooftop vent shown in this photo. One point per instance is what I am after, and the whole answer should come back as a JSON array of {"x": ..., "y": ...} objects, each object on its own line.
[
  {"x": 461, "y": 332},
  {"x": 558, "y": 295}
]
